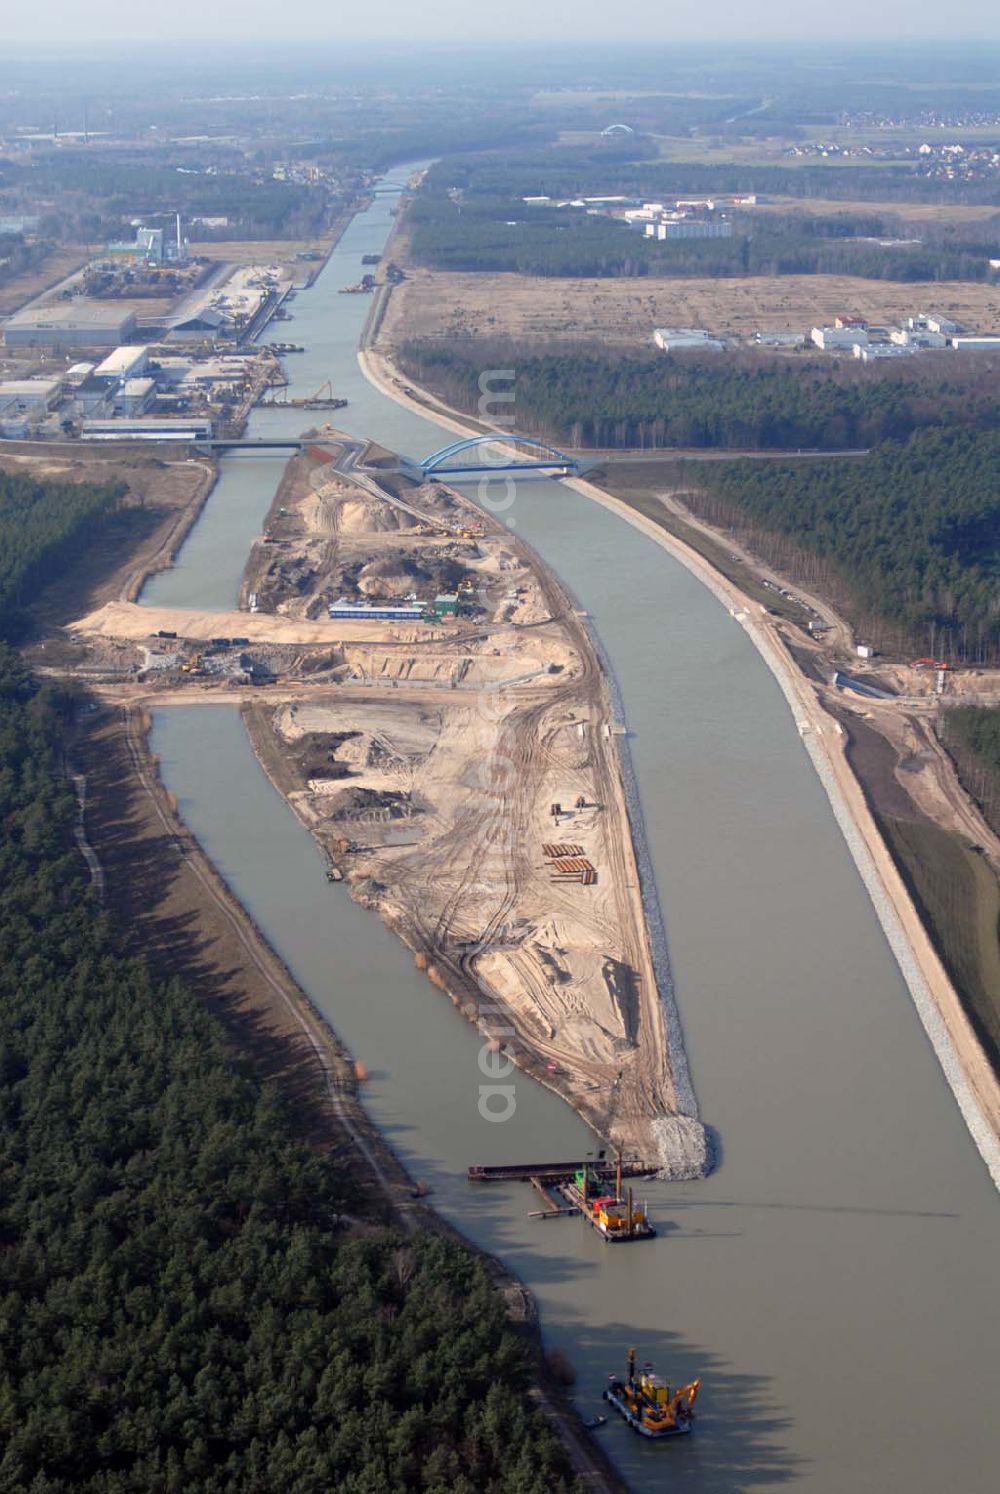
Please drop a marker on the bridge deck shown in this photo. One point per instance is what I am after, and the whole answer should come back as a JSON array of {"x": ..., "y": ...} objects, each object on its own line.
[
  {"x": 258, "y": 443},
  {"x": 550, "y": 467}
]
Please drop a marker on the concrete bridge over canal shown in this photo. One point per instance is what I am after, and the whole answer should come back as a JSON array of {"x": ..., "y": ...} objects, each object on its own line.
[{"x": 474, "y": 456}]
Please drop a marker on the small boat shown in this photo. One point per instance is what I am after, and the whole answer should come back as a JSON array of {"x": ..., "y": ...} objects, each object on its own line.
[
  {"x": 593, "y": 1422},
  {"x": 648, "y": 1404}
]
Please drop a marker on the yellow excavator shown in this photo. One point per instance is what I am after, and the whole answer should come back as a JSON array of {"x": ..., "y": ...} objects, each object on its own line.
[{"x": 649, "y": 1405}]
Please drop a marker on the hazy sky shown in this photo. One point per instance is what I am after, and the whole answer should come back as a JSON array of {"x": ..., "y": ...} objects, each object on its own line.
[{"x": 59, "y": 23}]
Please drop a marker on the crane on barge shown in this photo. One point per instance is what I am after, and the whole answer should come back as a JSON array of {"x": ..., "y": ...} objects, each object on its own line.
[
  {"x": 323, "y": 399},
  {"x": 647, "y": 1403}
]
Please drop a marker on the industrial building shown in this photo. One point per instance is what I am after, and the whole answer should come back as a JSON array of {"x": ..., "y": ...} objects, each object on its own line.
[
  {"x": 24, "y": 403},
  {"x": 93, "y": 397},
  {"x": 123, "y": 363},
  {"x": 872, "y": 352},
  {"x": 76, "y": 373},
  {"x": 917, "y": 337},
  {"x": 844, "y": 338},
  {"x": 375, "y": 612},
  {"x": 205, "y": 322},
  {"x": 133, "y": 397},
  {"x": 686, "y": 339},
  {"x": 690, "y": 228},
  {"x": 915, "y": 334},
  {"x": 73, "y": 324},
  {"x": 28, "y": 396},
  {"x": 147, "y": 429},
  {"x": 935, "y": 323},
  {"x": 152, "y": 245}
]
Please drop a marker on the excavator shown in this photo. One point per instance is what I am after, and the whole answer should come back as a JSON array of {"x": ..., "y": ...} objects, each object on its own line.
[{"x": 647, "y": 1403}]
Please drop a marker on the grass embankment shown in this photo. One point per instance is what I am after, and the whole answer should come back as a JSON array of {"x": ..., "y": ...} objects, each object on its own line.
[{"x": 958, "y": 897}]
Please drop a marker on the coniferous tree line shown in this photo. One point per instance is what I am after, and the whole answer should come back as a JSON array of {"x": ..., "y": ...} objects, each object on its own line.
[
  {"x": 42, "y": 524},
  {"x": 477, "y": 231},
  {"x": 182, "y": 1307},
  {"x": 636, "y": 170},
  {"x": 909, "y": 535},
  {"x": 608, "y": 400}
]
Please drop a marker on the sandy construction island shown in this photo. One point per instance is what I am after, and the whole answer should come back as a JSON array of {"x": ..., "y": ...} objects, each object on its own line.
[{"x": 464, "y": 779}]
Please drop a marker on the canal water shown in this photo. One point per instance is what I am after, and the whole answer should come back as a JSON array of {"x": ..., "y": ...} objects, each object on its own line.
[{"x": 834, "y": 1281}]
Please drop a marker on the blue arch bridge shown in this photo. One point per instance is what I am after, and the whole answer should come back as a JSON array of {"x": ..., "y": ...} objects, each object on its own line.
[{"x": 499, "y": 453}]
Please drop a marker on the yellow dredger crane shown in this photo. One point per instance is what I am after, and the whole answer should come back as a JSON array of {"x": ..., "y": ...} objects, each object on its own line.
[{"x": 647, "y": 1403}]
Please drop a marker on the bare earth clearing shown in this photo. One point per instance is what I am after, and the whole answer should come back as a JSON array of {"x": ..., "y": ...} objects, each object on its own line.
[
  {"x": 128, "y": 620},
  {"x": 538, "y": 309}
]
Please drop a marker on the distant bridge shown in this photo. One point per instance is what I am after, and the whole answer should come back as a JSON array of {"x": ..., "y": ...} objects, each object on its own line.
[
  {"x": 260, "y": 443},
  {"x": 526, "y": 455}
]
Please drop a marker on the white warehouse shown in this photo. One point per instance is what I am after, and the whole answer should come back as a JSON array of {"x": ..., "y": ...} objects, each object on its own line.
[
  {"x": 123, "y": 363},
  {"x": 677, "y": 339},
  {"x": 839, "y": 337}
]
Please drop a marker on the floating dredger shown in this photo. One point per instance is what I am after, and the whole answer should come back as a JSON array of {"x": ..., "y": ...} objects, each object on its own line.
[
  {"x": 615, "y": 1216},
  {"x": 584, "y": 1189},
  {"x": 648, "y": 1404}
]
